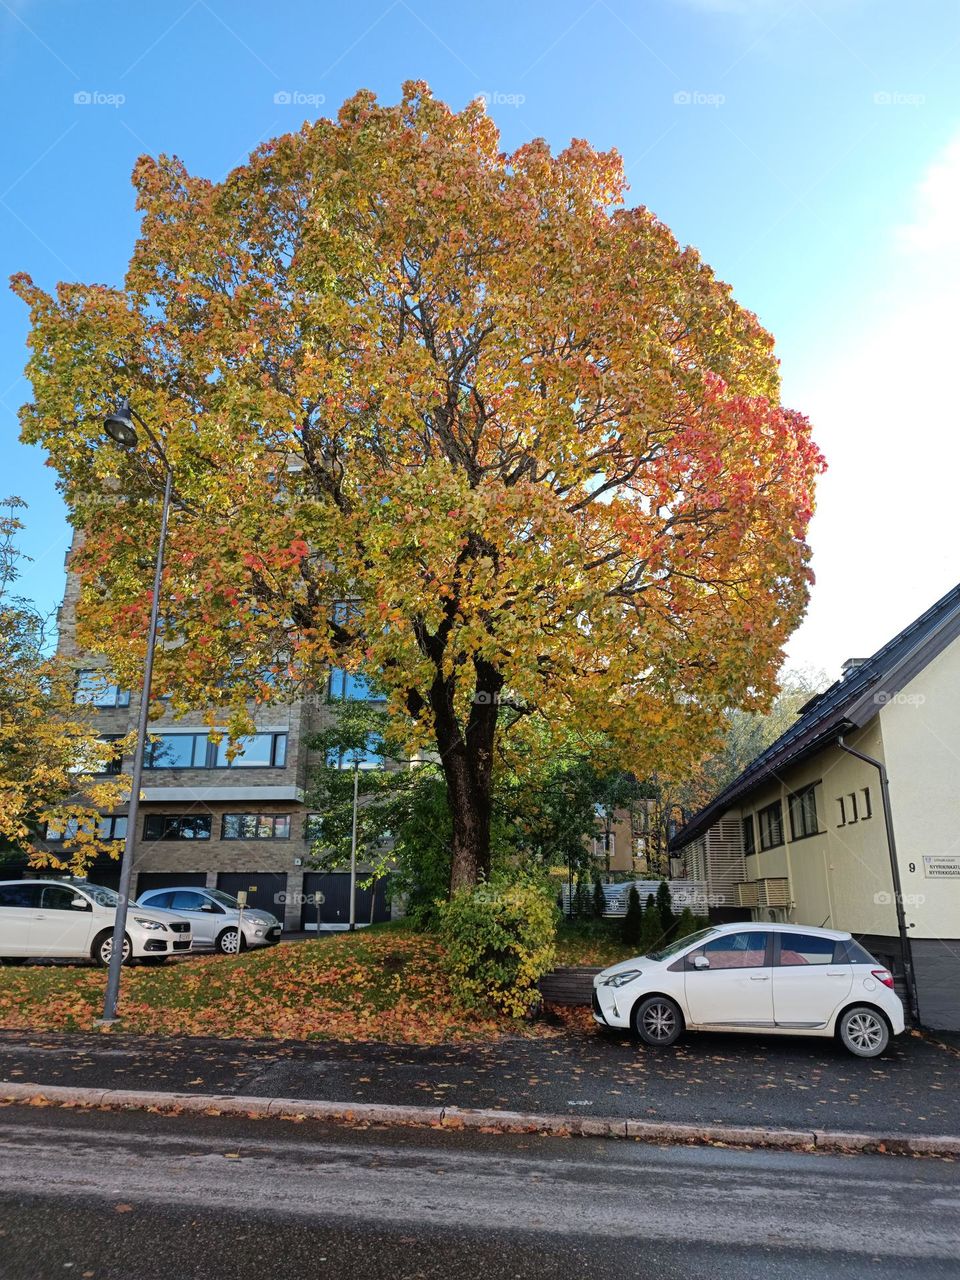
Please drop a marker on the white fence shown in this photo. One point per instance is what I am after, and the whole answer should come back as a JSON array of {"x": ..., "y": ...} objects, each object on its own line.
[{"x": 683, "y": 893}]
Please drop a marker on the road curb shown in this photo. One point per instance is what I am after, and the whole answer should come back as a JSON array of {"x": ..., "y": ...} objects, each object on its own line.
[{"x": 483, "y": 1119}]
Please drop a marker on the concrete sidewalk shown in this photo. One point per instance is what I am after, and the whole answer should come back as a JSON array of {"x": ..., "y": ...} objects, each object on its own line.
[{"x": 707, "y": 1080}]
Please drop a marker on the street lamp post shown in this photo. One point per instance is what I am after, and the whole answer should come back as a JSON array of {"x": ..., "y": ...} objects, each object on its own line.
[
  {"x": 353, "y": 847},
  {"x": 119, "y": 427}
]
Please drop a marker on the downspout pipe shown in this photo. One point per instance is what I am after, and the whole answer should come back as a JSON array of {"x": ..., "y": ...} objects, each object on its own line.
[{"x": 906, "y": 954}]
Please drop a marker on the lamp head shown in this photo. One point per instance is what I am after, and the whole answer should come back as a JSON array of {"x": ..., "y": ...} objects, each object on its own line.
[{"x": 119, "y": 426}]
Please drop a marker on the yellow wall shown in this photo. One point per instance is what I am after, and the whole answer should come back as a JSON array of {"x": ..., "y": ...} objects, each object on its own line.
[{"x": 921, "y": 737}]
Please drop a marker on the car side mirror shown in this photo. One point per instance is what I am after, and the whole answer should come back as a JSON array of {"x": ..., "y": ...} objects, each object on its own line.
[
  {"x": 701, "y": 962},
  {"x": 79, "y": 904},
  {"x": 208, "y": 906}
]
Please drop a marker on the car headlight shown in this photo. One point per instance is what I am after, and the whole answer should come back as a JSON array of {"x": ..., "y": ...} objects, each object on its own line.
[
  {"x": 151, "y": 925},
  {"x": 621, "y": 979}
]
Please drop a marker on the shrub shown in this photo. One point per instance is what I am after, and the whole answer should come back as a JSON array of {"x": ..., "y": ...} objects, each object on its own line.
[
  {"x": 499, "y": 940},
  {"x": 632, "y": 926},
  {"x": 651, "y": 933},
  {"x": 599, "y": 901},
  {"x": 686, "y": 924},
  {"x": 665, "y": 907},
  {"x": 582, "y": 901}
]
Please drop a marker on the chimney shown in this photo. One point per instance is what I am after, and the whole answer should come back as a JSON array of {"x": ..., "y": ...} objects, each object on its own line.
[{"x": 850, "y": 666}]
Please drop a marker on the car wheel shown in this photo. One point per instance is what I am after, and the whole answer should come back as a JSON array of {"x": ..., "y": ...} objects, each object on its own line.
[
  {"x": 658, "y": 1021},
  {"x": 103, "y": 948},
  {"x": 864, "y": 1031},
  {"x": 230, "y": 942}
]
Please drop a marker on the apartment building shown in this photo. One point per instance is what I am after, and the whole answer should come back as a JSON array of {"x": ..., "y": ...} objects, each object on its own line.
[{"x": 230, "y": 824}]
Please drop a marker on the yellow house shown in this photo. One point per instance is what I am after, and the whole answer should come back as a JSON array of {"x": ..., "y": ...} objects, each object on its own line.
[{"x": 851, "y": 819}]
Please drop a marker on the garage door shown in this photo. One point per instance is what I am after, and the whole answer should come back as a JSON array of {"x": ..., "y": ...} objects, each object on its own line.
[
  {"x": 169, "y": 880},
  {"x": 266, "y": 890},
  {"x": 334, "y": 888}
]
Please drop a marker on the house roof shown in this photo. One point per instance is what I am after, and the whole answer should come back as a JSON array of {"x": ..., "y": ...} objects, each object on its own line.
[{"x": 849, "y": 703}]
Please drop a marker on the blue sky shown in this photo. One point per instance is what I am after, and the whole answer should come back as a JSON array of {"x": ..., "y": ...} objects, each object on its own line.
[{"x": 810, "y": 149}]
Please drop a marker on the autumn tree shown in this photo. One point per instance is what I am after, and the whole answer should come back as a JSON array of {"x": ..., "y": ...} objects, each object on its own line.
[
  {"x": 533, "y": 440},
  {"x": 51, "y": 761}
]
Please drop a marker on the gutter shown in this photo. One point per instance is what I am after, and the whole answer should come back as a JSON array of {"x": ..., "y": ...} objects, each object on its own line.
[{"x": 906, "y": 954}]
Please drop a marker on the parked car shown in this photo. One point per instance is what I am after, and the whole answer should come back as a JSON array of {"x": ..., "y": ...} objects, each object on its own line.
[
  {"x": 215, "y": 917},
  {"x": 73, "y": 919},
  {"x": 772, "y": 979}
]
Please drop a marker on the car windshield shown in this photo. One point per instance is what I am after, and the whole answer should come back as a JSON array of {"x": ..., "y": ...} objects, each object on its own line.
[
  {"x": 101, "y": 895},
  {"x": 225, "y": 899},
  {"x": 691, "y": 940}
]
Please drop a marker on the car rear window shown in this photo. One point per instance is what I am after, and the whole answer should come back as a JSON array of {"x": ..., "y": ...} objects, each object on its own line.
[{"x": 850, "y": 952}]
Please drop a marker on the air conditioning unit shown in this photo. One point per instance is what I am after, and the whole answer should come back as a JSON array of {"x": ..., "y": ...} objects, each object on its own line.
[
  {"x": 775, "y": 892},
  {"x": 748, "y": 894}
]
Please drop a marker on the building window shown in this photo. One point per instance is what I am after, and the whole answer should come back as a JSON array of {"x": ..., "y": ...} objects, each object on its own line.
[
  {"x": 749, "y": 839},
  {"x": 867, "y": 806},
  {"x": 849, "y": 809},
  {"x": 114, "y": 764},
  {"x": 255, "y": 826},
  {"x": 108, "y": 828},
  {"x": 176, "y": 751},
  {"x": 95, "y": 689},
  {"x": 770, "y": 822},
  {"x": 843, "y": 812},
  {"x": 196, "y": 751},
  {"x": 259, "y": 750},
  {"x": 113, "y": 828},
  {"x": 369, "y": 756},
  {"x": 176, "y": 826},
  {"x": 347, "y": 687},
  {"x": 803, "y": 813},
  {"x": 313, "y": 827}
]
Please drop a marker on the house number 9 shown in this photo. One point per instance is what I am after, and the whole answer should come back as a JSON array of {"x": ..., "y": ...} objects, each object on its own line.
[{"x": 912, "y": 866}]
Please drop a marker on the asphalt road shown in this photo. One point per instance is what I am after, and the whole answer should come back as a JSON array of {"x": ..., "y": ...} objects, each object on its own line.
[
  {"x": 111, "y": 1196},
  {"x": 711, "y": 1079}
]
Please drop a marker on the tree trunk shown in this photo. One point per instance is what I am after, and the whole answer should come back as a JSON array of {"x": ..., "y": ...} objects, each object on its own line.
[{"x": 466, "y": 757}]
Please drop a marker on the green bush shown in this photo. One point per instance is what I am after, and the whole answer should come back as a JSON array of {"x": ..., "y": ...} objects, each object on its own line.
[
  {"x": 599, "y": 901},
  {"x": 633, "y": 921},
  {"x": 499, "y": 941},
  {"x": 651, "y": 932},
  {"x": 686, "y": 924},
  {"x": 665, "y": 908}
]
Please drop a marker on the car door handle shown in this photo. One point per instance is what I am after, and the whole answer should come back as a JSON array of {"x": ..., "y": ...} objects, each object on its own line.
[
  {"x": 759, "y": 977},
  {"x": 836, "y": 973}
]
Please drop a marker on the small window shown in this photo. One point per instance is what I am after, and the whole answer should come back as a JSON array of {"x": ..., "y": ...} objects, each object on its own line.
[
  {"x": 57, "y": 897},
  {"x": 749, "y": 839},
  {"x": 113, "y": 828},
  {"x": 348, "y": 687},
  {"x": 369, "y": 756},
  {"x": 176, "y": 751},
  {"x": 843, "y": 812},
  {"x": 866, "y": 806},
  {"x": 803, "y": 813},
  {"x": 851, "y": 808},
  {"x": 114, "y": 764},
  {"x": 255, "y": 826},
  {"x": 805, "y": 948},
  {"x": 172, "y": 826},
  {"x": 770, "y": 822},
  {"x": 95, "y": 689}
]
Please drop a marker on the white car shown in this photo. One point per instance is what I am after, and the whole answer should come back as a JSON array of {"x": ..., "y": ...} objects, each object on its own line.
[
  {"x": 74, "y": 920},
  {"x": 216, "y": 919},
  {"x": 779, "y": 979}
]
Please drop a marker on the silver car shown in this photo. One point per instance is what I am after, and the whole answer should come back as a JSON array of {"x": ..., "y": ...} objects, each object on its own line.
[{"x": 216, "y": 918}]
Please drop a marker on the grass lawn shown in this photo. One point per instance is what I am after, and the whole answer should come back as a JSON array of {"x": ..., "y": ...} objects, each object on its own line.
[{"x": 384, "y": 983}]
